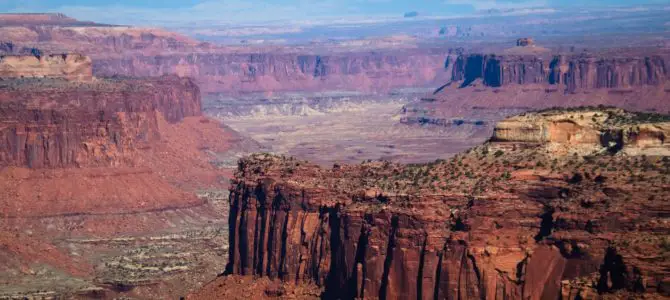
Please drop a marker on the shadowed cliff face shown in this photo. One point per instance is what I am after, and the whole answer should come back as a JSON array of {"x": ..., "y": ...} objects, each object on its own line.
[
  {"x": 353, "y": 252},
  {"x": 573, "y": 72},
  {"x": 129, "y": 51},
  {"x": 503, "y": 221},
  {"x": 493, "y": 87}
]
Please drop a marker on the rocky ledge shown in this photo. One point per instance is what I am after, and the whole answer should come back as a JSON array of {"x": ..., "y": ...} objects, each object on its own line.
[
  {"x": 494, "y": 223},
  {"x": 589, "y": 131},
  {"x": 67, "y": 66}
]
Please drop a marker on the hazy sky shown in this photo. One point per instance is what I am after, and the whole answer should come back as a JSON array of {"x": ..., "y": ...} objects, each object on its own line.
[{"x": 133, "y": 11}]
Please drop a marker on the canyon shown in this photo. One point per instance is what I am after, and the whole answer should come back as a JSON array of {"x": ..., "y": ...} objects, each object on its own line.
[
  {"x": 348, "y": 127},
  {"x": 142, "y": 52},
  {"x": 544, "y": 74},
  {"x": 465, "y": 74},
  {"x": 276, "y": 72},
  {"x": 125, "y": 171}
]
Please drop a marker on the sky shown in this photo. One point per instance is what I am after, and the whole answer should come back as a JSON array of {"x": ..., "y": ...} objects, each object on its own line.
[{"x": 250, "y": 11}]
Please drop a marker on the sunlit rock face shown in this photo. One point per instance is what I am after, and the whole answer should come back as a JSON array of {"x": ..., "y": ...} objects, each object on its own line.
[
  {"x": 73, "y": 67},
  {"x": 588, "y": 131},
  {"x": 57, "y": 123}
]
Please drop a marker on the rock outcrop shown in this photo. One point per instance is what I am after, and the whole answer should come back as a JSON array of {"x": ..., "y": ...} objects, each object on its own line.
[
  {"x": 572, "y": 72},
  {"x": 74, "y": 67},
  {"x": 65, "y": 124},
  {"x": 96, "y": 40},
  {"x": 589, "y": 130},
  {"x": 92, "y": 174},
  {"x": 491, "y": 223}
]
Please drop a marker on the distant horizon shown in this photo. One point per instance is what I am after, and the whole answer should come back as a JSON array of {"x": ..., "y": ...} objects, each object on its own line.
[{"x": 239, "y": 12}]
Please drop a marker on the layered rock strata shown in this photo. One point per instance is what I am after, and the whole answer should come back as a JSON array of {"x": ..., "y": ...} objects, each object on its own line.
[
  {"x": 141, "y": 52},
  {"x": 97, "y": 187},
  {"x": 14, "y": 19},
  {"x": 590, "y": 130},
  {"x": 491, "y": 223},
  {"x": 55, "y": 123},
  {"x": 571, "y": 72},
  {"x": 68, "y": 66},
  {"x": 265, "y": 72}
]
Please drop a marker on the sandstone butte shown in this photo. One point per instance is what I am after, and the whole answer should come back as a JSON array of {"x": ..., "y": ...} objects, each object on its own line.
[
  {"x": 98, "y": 159},
  {"x": 53, "y": 121},
  {"x": 561, "y": 203}
]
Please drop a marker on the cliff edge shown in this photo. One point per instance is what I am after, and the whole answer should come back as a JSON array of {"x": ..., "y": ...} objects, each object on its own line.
[
  {"x": 93, "y": 173},
  {"x": 589, "y": 131},
  {"x": 494, "y": 222}
]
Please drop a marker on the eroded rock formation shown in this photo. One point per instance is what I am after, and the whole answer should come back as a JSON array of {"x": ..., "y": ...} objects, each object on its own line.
[
  {"x": 574, "y": 72},
  {"x": 491, "y": 223},
  {"x": 141, "y": 52},
  {"x": 22, "y": 19},
  {"x": 525, "y": 42},
  {"x": 64, "y": 124},
  {"x": 590, "y": 130},
  {"x": 252, "y": 72},
  {"x": 92, "y": 174},
  {"x": 68, "y": 66}
]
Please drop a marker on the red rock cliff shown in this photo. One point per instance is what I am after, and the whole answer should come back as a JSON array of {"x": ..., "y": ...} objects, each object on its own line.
[
  {"x": 501, "y": 231},
  {"x": 222, "y": 72},
  {"x": 573, "y": 72},
  {"x": 57, "y": 123},
  {"x": 141, "y": 52}
]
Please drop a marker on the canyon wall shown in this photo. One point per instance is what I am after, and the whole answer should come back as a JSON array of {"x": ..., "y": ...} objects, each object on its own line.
[
  {"x": 268, "y": 72},
  {"x": 572, "y": 71},
  {"x": 131, "y": 51},
  {"x": 288, "y": 234},
  {"x": 349, "y": 232},
  {"x": 94, "y": 40},
  {"x": 109, "y": 165},
  {"x": 142, "y": 52},
  {"x": 61, "y": 124}
]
